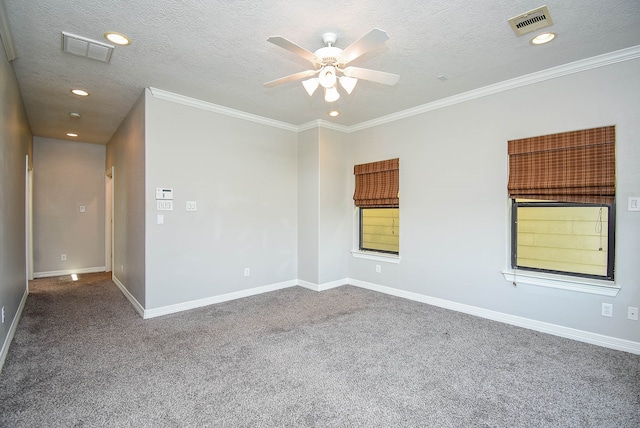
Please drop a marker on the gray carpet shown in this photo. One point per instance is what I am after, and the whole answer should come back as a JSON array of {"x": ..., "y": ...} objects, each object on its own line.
[{"x": 346, "y": 357}]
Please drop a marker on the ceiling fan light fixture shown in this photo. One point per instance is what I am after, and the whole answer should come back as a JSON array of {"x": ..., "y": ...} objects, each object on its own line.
[
  {"x": 327, "y": 77},
  {"x": 331, "y": 94},
  {"x": 348, "y": 83},
  {"x": 310, "y": 85}
]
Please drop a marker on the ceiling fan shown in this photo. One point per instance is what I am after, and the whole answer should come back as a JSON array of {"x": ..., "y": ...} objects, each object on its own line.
[{"x": 330, "y": 64}]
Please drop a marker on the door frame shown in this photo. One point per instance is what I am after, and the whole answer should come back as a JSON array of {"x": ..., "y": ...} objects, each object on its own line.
[
  {"x": 108, "y": 220},
  {"x": 28, "y": 219}
]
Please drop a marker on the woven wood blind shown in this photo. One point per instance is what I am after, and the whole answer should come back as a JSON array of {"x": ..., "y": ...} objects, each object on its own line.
[
  {"x": 377, "y": 184},
  {"x": 576, "y": 166}
]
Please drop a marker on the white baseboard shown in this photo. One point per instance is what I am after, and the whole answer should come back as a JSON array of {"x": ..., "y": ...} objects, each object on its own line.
[
  {"x": 136, "y": 305},
  {"x": 544, "y": 327},
  {"x": 12, "y": 330},
  {"x": 69, "y": 272},
  {"x": 179, "y": 307},
  {"x": 323, "y": 287},
  {"x": 557, "y": 330}
]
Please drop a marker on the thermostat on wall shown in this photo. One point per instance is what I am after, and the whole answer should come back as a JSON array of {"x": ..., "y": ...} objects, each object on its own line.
[{"x": 164, "y": 193}]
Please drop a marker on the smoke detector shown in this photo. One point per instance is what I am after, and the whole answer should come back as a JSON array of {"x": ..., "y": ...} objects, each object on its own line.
[{"x": 531, "y": 21}]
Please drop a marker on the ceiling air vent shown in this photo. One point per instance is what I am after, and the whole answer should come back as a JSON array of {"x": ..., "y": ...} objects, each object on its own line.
[
  {"x": 531, "y": 21},
  {"x": 81, "y": 46}
]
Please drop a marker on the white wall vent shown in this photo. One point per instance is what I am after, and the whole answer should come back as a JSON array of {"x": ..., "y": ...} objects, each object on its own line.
[
  {"x": 81, "y": 46},
  {"x": 531, "y": 21}
]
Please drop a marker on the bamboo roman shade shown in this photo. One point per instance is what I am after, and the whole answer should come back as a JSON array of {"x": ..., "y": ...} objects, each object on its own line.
[
  {"x": 377, "y": 184},
  {"x": 576, "y": 166}
]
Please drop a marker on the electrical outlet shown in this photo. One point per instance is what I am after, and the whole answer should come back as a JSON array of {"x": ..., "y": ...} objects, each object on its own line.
[
  {"x": 247, "y": 271},
  {"x": 121, "y": 268},
  {"x": 632, "y": 313},
  {"x": 378, "y": 268},
  {"x": 607, "y": 310},
  {"x": 63, "y": 257},
  {"x": 3, "y": 315}
]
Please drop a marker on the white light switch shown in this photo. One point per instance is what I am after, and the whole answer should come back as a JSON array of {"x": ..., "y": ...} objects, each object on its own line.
[
  {"x": 634, "y": 204},
  {"x": 163, "y": 205},
  {"x": 160, "y": 219},
  {"x": 192, "y": 206},
  {"x": 83, "y": 208}
]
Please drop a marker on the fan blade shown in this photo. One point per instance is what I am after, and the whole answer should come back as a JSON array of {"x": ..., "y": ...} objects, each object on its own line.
[
  {"x": 372, "y": 75},
  {"x": 372, "y": 39},
  {"x": 292, "y": 77},
  {"x": 292, "y": 47}
]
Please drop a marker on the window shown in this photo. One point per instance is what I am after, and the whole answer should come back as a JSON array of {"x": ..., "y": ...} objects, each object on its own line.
[
  {"x": 377, "y": 197},
  {"x": 380, "y": 230},
  {"x": 560, "y": 237},
  {"x": 562, "y": 188}
]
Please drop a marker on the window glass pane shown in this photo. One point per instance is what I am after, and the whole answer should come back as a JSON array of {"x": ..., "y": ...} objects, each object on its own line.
[
  {"x": 380, "y": 229},
  {"x": 571, "y": 239}
]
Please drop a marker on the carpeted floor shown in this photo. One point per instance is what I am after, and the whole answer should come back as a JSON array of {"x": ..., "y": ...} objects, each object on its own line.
[{"x": 347, "y": 357}]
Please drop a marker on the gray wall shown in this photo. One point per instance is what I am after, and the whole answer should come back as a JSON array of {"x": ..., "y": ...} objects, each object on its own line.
[
  {"x": 243, "y": 177},
  {"x": 324, "y": 205},
  {"x": 308, "y": 204},
  {"x": 335, "y": 207},
  {"x": 125, "y": 152},
  {"x": 15, "y": 144},
  {"x": 68, "y": 175},
  {"x": 454, "y": 206}
]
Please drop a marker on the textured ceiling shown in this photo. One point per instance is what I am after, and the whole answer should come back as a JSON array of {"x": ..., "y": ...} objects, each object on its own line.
[{"x": 217, "y": 51}]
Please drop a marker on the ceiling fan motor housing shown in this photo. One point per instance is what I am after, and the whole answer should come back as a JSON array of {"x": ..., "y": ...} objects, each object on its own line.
[{"x": 330, "y": 55}]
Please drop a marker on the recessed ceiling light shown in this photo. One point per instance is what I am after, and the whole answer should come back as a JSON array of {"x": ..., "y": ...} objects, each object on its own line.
[
  {"x": 117, "y": 38},
  {"x": 543, "y": 38},
  {"x": 334, "y": 113},
  {"x": 80, "y": 92},
  {"x": 71, "y": 134},
  {"x": 74, "y": 115}
]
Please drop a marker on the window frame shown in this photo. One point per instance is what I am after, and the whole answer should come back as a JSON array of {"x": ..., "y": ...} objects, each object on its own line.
[
  {"x": 610, "y": 276},
  {"x": 360, "y": 233}
]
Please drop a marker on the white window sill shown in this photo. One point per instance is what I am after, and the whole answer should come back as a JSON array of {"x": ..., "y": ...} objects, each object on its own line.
[
  {"x": 379, "y": 257},
  {"x": 571, "y": 283}
]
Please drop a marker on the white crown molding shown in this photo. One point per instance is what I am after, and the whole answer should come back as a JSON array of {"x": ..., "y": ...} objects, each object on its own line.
[
  {"x": 204, "y": 105},
  {"x": 518, "y": 82},
  {"x": 323, "y": 124},
  {"x": 528, "y": 79}
]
